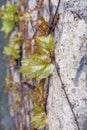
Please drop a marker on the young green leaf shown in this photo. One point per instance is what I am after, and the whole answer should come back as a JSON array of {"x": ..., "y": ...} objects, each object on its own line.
[
  {"x": 7, "y": 27},
  {"x": 9, "y": 16},
  {"x": 45, "y": 72},
  {"x": 14, "y": 46},
  {"x": 45, "y": 44},
  {"x": 37, "y": 67},
  {"x": 12, "y": 51},
  {"x": 11, "y": 8},
  {"x": 39, "y": 117},
  {"x": 41, "y": 58},
  {"x": 39, "y": 120}
]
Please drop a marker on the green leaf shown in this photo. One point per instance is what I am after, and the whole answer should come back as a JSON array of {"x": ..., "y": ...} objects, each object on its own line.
[
  {"x": 35, "y": 67},
  {"x": 30, "y": 68},
  {"x": 45, "y": 72},
  {"x": 39, "y": 117},
  {"x": 30, "y": 65},
  {"x": 16, "y": 54},
  {"x": 41, "y": 58},
  {"x": 14, "y": 51},
  {"x": 38, "y": 67},
  {"x": 11, "y": 8},
  {"x": 7, "y": 50},
  {"x": 37, "y": 108},
  {"x": 7, "y": 27},
  {"x": 45, "y": 44},
  {"x": 9, "y": 16},
  {"x": 39, "y": 121}
]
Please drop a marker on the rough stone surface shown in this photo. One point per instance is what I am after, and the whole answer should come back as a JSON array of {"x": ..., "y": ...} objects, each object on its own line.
[{"x": 71, "y": 54}]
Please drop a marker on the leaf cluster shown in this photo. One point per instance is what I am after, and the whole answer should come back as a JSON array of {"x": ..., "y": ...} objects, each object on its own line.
[
  {"x": 14, "y": 46},
  {"x": 39, "y": 117},
  {"x": 9, "y": 16},
  {"x": 39, "y": 66}
]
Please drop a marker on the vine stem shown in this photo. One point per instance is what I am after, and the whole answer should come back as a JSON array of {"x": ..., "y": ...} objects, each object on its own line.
[
  {"x": 52, "y": 25},
  {"x": 47, "y": 94},
  {"x": 50, "y": 30}
]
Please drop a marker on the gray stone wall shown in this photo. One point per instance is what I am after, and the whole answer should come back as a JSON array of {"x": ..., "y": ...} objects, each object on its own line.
[{"x": 71, "y": 55}]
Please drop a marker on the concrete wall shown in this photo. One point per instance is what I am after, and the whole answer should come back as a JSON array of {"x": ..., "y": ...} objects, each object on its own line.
[{"x": 71, "y": 55}]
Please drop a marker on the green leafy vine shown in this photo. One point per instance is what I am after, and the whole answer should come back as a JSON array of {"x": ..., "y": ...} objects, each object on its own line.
[{"x": 38, "y": 64}]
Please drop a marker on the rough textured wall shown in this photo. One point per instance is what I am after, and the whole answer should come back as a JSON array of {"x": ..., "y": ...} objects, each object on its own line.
[
  {"x": 71, "y": 54},
  {"x": 70, "y": 48}
]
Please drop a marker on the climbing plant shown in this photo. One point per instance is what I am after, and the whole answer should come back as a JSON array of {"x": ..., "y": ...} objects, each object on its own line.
[{"x": 33, "y": 58}]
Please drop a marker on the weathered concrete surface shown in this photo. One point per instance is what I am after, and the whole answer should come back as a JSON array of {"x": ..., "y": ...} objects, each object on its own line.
[
  {"x": 71, "y": 54},
  {"x": 71, "y": 46}
]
